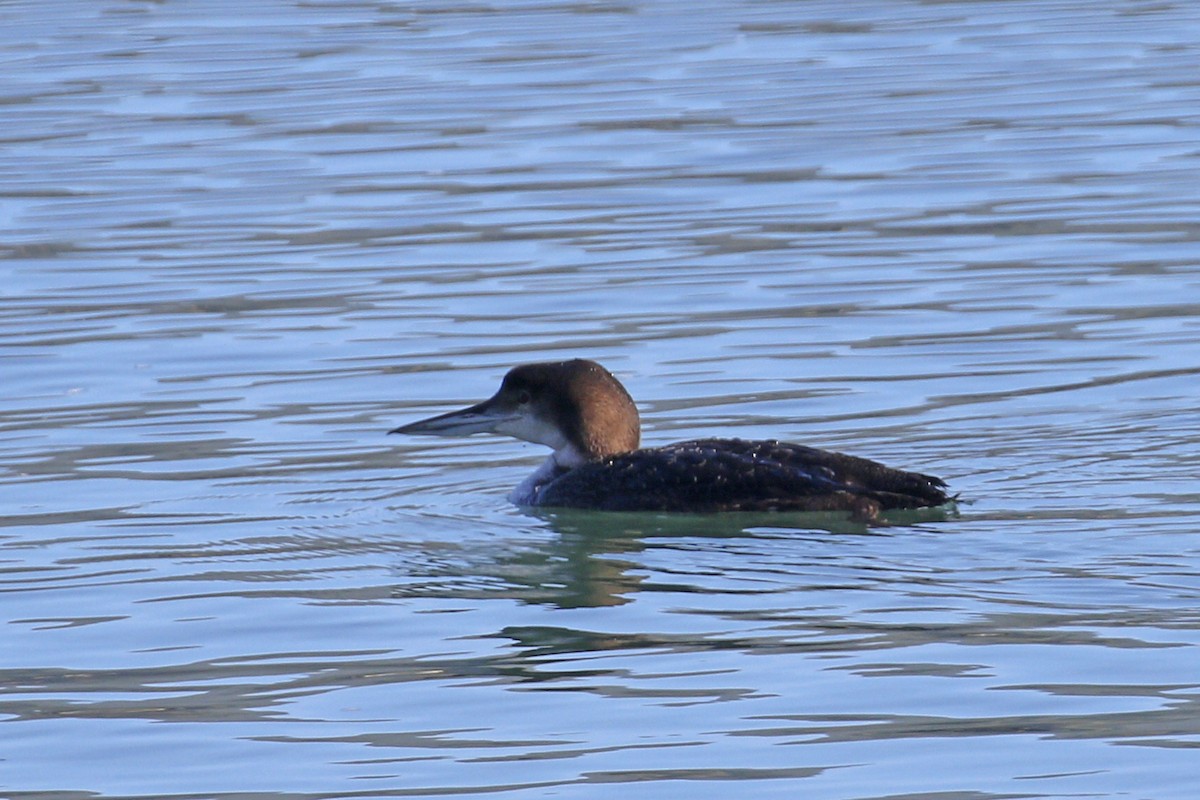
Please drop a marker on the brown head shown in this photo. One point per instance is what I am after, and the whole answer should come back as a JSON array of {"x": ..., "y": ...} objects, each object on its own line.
[{"x": 560, "y": 403}]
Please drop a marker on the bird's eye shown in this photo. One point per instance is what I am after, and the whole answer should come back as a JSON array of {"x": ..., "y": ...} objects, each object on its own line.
[{"x": 523, "y": 397}]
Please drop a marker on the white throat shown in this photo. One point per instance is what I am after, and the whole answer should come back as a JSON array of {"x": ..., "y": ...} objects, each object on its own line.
[{"x": 564, "y": 458}]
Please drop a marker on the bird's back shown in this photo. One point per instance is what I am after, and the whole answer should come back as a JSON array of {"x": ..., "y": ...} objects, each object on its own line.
[{"x": 709, "y": 475}]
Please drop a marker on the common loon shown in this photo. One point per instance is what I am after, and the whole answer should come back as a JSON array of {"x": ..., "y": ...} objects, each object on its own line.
[{"x": 579, "y": 410}]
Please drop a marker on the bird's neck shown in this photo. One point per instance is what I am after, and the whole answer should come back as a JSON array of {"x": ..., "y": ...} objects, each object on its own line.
[{"x": 565, "y": 458}]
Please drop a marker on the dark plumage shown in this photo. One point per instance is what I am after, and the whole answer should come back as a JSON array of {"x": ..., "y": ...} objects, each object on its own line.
[
  {"x": 578, "y": 409},
  {"x": 736, "y": 475}
]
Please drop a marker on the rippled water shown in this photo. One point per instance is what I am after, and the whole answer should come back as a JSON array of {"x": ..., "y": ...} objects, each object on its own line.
[{"x": 240, "y": 243}]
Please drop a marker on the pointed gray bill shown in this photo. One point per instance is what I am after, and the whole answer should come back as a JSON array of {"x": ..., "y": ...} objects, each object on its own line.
[{"x": 479, "y": 418}]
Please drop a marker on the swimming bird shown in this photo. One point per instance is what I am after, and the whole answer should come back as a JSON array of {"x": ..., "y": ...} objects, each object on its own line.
[{"x": 584, "y": 414}]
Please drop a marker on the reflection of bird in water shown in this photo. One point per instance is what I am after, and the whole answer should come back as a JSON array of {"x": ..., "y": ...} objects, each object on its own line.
[{"x": 578, "y": 409}]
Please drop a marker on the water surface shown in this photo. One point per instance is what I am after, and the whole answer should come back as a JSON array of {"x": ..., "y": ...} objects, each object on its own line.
[{"x": 238, "y": 245}]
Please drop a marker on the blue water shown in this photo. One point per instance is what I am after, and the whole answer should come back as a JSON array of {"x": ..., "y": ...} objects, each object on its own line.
[{"x": 240, "y": 244}]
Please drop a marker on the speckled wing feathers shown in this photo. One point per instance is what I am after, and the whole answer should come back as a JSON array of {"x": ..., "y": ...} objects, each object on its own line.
[{"x": 736, "y": 475}]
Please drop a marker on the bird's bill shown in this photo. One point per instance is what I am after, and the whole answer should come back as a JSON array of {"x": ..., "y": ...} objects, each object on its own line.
[{"x": 480, "y": 418}]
